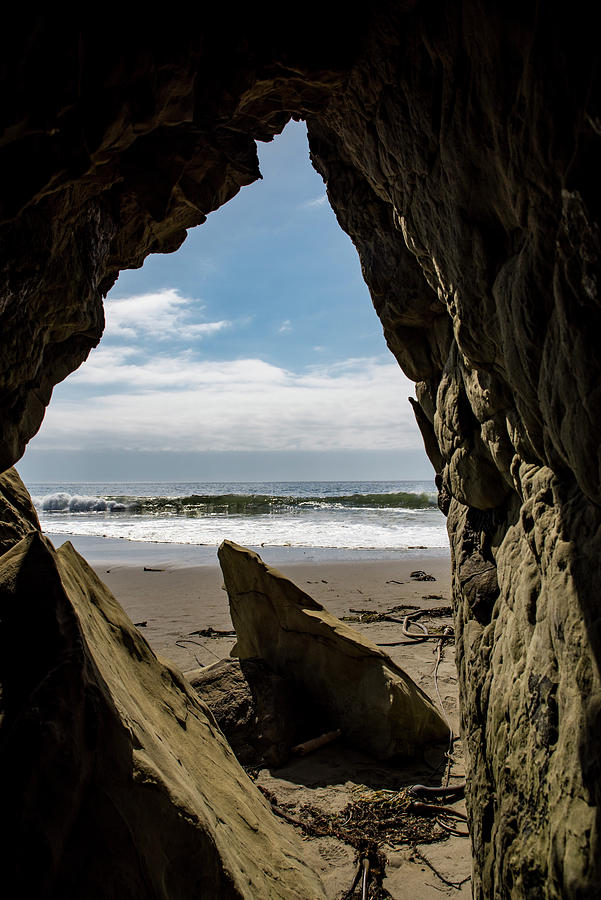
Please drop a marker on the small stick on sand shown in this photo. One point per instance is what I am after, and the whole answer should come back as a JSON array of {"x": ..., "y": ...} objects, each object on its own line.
[
  {"x": 314, "y": 744},
  {"x": 365, "y": 877}
]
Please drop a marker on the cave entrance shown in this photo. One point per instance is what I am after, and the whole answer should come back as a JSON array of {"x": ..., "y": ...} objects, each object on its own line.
[
  {"x": 253, "y": 353},
  {"x": 249, "y": 362}
]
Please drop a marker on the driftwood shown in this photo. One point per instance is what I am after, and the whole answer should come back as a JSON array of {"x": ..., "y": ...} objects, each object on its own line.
[{"x": 315, "y": 743}]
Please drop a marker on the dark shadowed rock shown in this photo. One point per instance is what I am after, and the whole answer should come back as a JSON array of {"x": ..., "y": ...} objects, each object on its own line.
[
  {"x": 116, "y": 780},
  {"x": 460, "y": 144},
  {"x": 17, "y": 513},
  {"x": 368, "y": 696},
  {"x": 257, "y": 710}
]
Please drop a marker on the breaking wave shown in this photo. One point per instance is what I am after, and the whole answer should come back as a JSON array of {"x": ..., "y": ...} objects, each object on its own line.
[
  {"x": 76, "y": 503},
  {"x": 228, "y": 504}
]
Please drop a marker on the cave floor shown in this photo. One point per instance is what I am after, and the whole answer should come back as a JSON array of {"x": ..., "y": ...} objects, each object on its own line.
[{"x": 173, "y": 602}]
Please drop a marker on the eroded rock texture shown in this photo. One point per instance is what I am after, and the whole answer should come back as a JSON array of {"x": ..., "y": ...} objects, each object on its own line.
[
  {"x": 459, "y": 142},
  {"x": 116, "y": 780},
  {"x": 17, "y": 512},
  {"x": 257, "y": 710},
  {"x": 359, "y": 688}
]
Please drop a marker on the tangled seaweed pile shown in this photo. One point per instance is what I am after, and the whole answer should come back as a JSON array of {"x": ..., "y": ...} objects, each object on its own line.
[
  {"x": 370, "y": 823},
  {"x": 374, "y": 819}
]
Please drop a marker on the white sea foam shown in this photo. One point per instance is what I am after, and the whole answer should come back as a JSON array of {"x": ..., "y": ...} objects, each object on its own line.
[
  {"x": 75, "y": 503},
  {"x": 360, "y": 532},
  {"x": 325, "y": 525}
]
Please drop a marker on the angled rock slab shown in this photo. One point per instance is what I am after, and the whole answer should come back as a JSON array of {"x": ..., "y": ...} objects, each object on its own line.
[
  {"x": 115, "y": 779},
  {"x": 377, "y": 705}
]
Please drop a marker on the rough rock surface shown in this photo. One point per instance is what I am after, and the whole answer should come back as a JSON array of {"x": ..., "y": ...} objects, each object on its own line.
[
  {"x": 460, "y": 145},
  {"x": 17, "y": 513},
  {"x": 368, "y": 696},
  {"x": 116, "y": 780},
  {"x": 257, "y": 710}
]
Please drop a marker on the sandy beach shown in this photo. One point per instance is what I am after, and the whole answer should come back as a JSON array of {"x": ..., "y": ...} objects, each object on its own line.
[{"x": 170, "y": 600}]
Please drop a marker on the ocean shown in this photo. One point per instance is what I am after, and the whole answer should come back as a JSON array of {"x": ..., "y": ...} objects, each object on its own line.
[{"x": 347, "y": 518}]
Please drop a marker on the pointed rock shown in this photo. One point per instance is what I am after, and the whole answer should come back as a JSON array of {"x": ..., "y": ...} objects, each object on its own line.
[
  {"x": 377, "y": 705},
  {"x": 115, "y": 779}
]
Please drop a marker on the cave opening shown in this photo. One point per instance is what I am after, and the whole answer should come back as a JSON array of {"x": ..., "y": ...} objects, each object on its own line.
[
  {"x": 459, "y": 143},
  {"x": 256, "y": 340},
  {"x": 248, "y": 362}
]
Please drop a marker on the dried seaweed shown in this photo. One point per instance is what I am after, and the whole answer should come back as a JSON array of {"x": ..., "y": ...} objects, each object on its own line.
[
  {"x": 367, "y": 824},
  {"x": 369, "y": 616},
  {"x": 369, "y": 821}
]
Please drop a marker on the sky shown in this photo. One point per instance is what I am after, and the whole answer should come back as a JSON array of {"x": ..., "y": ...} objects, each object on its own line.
[{"x": 252, "y": 353}]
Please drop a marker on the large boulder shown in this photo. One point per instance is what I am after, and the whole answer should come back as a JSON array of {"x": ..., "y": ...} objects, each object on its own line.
[
  {"x": 257, "y": 710},
  {"x": 368, "y": 696},
  {"x": 116, "y": 780}
]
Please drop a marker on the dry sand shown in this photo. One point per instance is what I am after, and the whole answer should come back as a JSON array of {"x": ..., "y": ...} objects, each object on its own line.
[{"x": 171, "y": 604}]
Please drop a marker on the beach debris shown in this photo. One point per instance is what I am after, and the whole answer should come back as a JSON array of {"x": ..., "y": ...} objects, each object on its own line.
[
  {"x": 364, "y": 692},
  {"x": 258, "y": 711},
  {"x": 420, "y": 575},
  {"x": 372, "y": 823},
  {"x": 424, "y": 633},
  {"x": 423, "y": 790},
  {"x": 365, "y": 867},
  {"x": 438, "y": 612},
  {"x": 183, "y": 642},
  {"x": 309, "y": 746},
  {"x": 150, "y": 569},
  {"x": 454, "y": 884},
  {"x": 213, "y": 633},
  {"x": 371, "y": 820},
  {"x": 368, "y": 616}
]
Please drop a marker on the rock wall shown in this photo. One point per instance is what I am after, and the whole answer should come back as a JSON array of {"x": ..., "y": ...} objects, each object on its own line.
[
  {"x": 475, "y": 149},
  {"x": 459, "y": 142}
]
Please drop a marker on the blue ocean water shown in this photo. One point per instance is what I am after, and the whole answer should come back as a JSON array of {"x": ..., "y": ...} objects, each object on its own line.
[{"x": 343, "y": 515}]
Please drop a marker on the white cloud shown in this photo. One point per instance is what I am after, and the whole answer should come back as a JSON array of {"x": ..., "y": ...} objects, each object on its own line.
[
  {"x": 317, "y": 201},
  {"x": 163, "y": 315},
  {"x": 285, "y": 327},
  {"x": 116, "y": 366},
  {"x": 247, "y": 404}
]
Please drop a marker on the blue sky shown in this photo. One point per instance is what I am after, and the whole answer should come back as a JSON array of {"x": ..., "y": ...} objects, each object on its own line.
[{"x": 253, "y": 353}]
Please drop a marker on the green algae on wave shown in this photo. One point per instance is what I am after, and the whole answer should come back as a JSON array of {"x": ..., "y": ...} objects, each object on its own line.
[{"x": 255, "y": 504}]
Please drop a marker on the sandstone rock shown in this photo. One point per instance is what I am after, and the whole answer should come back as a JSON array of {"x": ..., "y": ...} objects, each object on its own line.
[
  {"x": 17, "y": 513},
  {"x": 460, "y": 146},
  {"x": 116, "y": 780},
  {"x": 257, "y": 710},
  {"x": 372, "y": 700}
]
